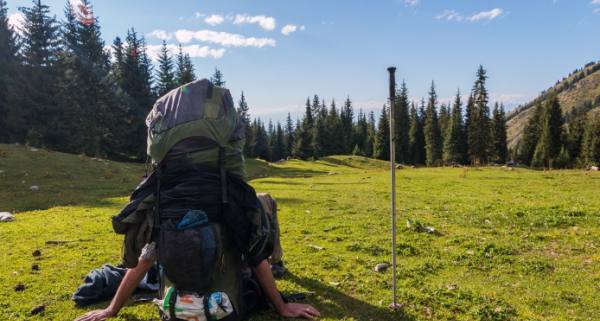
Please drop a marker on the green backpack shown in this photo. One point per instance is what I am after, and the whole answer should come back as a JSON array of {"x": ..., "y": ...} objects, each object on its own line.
[{"x": 198, "y": 123}]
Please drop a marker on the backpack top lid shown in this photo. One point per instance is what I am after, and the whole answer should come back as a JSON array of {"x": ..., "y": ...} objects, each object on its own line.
[{"x": 197, "y": 116}]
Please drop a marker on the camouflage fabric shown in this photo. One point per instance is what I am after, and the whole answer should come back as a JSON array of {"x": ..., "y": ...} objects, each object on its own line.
[{"x": 193, "y": 121}]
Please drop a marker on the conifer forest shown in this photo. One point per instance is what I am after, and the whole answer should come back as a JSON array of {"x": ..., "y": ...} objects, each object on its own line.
[{"x": 63, "y": 89}]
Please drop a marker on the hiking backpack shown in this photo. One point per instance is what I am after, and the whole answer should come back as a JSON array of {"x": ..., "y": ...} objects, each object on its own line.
[{"x": 197, "y": 124}]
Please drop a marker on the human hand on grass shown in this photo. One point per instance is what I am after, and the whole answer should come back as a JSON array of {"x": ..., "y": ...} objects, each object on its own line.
[
  {"x": 98, "y": 315},
  {"x": 297, "y": 310}
]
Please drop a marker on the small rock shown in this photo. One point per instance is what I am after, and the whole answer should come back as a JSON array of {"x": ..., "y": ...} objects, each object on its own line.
[
  {"x": 332, "y": 173},
  {"x": 487, "y": 222},
  {"x": 15, "y": 273},
  {"x": 399, "y": 166},
  {"x": 327, "y": 229},
  {"x": 311, "y": 186},
  {"x": 34, "y": 189},
  {"x": 36, "y": 253},
  {"x": 334, "y": 283},
  {"x": 309, "y": 212},
  {"x": 35, "y": 267},
  {"x": 20, "y": 287},
  {"x": 33, "y": 149},
  {"x": 2, "y": 172},
  {"x": 317, "y": 247},
  {"x": 38, "y": 309},
  {"x": 451, "y": 286},
  {"x": 511, "y": 169},
  {"x": 412, "y": 166},
  {"x": 6, "y": 217},
  {"x": 381, "y": 267},
  {"x": 306, "y": 239}
]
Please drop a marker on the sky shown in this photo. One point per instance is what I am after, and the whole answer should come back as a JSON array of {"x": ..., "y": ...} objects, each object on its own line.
[{"x": 281, "y": 52}]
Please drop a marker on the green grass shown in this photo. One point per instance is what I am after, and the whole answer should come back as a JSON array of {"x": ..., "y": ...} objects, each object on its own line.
[{"x": 513, "y": 245}]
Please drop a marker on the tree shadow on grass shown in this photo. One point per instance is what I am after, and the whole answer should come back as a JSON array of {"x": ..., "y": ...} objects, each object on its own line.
[{"x": 335, "y": 304}]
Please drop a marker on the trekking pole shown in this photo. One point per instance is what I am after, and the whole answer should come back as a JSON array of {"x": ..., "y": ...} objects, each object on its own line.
[{"x": 392, "y": 83}]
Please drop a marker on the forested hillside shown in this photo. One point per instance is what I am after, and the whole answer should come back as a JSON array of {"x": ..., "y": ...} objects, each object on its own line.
[{"x": 580, "y": 89}]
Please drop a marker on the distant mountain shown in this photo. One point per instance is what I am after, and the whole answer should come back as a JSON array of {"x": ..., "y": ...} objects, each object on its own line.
[{"x": 581, "y": 87}]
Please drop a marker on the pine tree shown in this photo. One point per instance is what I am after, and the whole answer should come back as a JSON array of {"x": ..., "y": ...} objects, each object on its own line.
[
  {"x": 279, "y": 146},
  {"x": 360, "y": 134},
  {"x": 347, "y": 120},
  {"x": 381, "y": 144},
  {"x": 454, "y": 139},
  {"x": 9, "y": 79},
  {"x": 319, "y": 137},
  {"x": 288, "y": 136},
  {"x": 371, "y": 132},
  {"x": 433, "y": 136},
  {"x": 479, "y": 132},
  {"x": 500, "y": 147},
  {"x": 242, "y": 111},
  {"x": 444, "y": 118},
  {"x": 302, "y": 147},
  {"x": 550, "y": 129},
  {"x": 402, "y": 125},
  {"x": 165, "y": 77},
  {"x": 531, "y": 134},
  {"x": 590, "y": 149},
  {"x": 39, "y": 50},
  {"x": 417, "y": 135},
  {"x": 261, "y": 148},
  {"x": 335, "y": 143},
  {"x": 184, "y": 69},
  {"x": 575, "y": 129},
  {"x": 217, "y": 78}
]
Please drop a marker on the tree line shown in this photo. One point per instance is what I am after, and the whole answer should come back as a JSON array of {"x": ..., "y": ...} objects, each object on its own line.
[
  {"x": 551, "y": 139},
  {"x": 423, "y": 135},
  {"x": 59, "y": 87}
]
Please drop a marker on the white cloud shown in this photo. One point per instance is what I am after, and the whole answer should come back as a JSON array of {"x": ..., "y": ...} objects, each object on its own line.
[
  {"x": 223, "y": 38},
  {"x": 595, "y": 2},
  {"x": 17, "y": 21},
  {"x": 288, "y": 29},
  {"x": 450, "y": 15},
  {"x": 195, "y": 51},
  {"x": 489, "y": 15},
  {"x": 214, "y": 20},
  {"x": 412, "y": 3},
  {"x": 200, "y": 15},
  {"x": 302, "y": 28},
  {"x": 267, "y": 23},
  {"x": 160, "y": 34}
]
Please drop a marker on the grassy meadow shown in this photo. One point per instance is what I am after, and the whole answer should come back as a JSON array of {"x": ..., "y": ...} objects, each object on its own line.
[{"x": 509, "y": 244}]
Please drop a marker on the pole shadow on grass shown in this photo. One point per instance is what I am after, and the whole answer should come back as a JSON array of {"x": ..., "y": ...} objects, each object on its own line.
[{"x": 335, "y": 304}]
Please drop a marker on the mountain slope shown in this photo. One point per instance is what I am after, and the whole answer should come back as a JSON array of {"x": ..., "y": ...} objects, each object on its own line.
[{"x": 581, "y": 87}]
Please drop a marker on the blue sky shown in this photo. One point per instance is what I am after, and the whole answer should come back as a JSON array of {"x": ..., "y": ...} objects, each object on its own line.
[{"x": 281, "y": 52}]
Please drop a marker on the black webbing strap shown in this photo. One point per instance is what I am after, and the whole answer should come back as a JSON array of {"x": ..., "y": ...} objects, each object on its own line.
[
  {"x": 172, "y": 303},
  {"x": 206, "y": 307},
  {"x": 155, "y": 227},
  {"x": 222, "y": 160}
]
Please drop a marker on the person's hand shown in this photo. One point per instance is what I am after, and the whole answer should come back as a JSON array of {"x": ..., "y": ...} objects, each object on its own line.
[
  {"x": 98, "y": 315},
  {"x": 296, "y": 310}
]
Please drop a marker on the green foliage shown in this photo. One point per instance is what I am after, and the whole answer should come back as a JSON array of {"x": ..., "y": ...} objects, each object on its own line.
[
  {"x": 402, "y": 123},
  {"x": 431, "y": 129},
  {"x": 166, "y": 77},
  {"x": 479, "y": 130},
  {"x": 416, "y": 134},
  {"x": 381, "y": 145},
  {"x": 217, "y": 78},
  {"x": 455, "y": 143}
]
